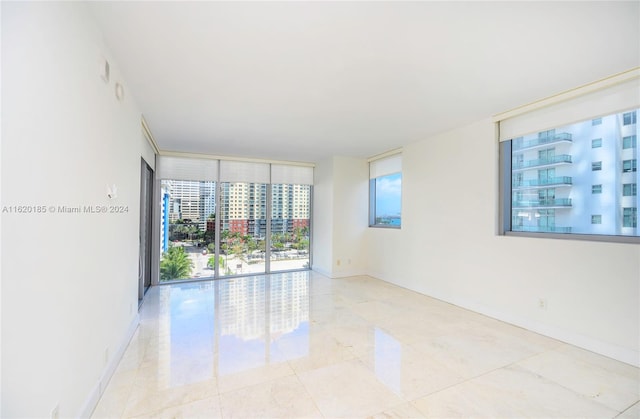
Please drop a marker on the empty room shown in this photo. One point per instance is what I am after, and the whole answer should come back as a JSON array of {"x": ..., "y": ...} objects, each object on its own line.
[{"x": 319, "y": 209}]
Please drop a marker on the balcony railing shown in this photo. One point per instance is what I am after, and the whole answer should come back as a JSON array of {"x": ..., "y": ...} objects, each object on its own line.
[
  {"x": 532, "y": 183},
  {"x": 561, "y": 158},
  {"x": 539, "y": 203},
  {"x": 550, "y": 139},
  {"x": 542, "y": 229}
]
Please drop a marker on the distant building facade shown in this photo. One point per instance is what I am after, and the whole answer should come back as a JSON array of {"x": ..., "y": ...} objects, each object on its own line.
[{"x": 581, "y": 178}]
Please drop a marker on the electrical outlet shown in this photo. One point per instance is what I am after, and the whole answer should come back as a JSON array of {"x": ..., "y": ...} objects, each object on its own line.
[
  {"x": 348, "y": 261},
  {"x": 106, "y": 356},
  {"x": 542, "y": 303},
  {"x": 55, "y": 412},
  {"x": 338, "y": 262}
]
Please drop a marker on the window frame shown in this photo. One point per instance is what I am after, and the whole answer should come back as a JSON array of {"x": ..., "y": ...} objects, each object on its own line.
[
  {"x": 633, "y": 166},
  {"x": 633, "y": 213},
  {"x": 372, "y": 204},
  {"x": 180, "y": 167},
  {"x": 632, "y": 189},
  {"x": 632, "y": 118},
  {"x": 629, "y": 142},
  {"x": 505, "y": 210},
  {"x": 374, "y": 168},
  {"x": 592, "y": 102}
]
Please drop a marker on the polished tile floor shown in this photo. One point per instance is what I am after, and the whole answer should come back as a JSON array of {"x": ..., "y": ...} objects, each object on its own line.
[{"x": 302, "y": 345}]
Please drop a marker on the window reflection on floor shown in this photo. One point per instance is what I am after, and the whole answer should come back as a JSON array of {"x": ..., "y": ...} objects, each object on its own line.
[{"x": 245, "y": 322}]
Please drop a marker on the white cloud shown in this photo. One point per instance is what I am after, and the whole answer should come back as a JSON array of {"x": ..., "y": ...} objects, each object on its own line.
[{"x": 386, "y": 187}]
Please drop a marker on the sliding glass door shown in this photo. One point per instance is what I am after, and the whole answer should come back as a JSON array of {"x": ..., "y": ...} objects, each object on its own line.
[
  {"x": 188, "y": 229},
  {"x": 224, "y": 218},
  {"x": 145, "y": 242},
  {"x": 290, "y": 227},
  {"x": 243, "y": 228}
]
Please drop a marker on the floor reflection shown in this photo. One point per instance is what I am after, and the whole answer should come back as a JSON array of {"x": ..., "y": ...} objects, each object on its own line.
[
  {"x": 303, "y": 345},
  {"x": 388, "y": 360},
  {"x": 228, "y": 326}
]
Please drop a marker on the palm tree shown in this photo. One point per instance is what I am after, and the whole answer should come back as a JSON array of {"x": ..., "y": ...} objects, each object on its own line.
[{"x": 175, "y": 264}]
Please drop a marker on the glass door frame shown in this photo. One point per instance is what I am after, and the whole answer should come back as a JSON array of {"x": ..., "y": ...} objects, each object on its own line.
[
  {"x": 146, "y": 229},
  {"x": 217, "y": 237}
]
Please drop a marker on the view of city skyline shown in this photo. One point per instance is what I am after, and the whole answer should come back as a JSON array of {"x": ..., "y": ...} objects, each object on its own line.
[{"x": 250, "y": 231}]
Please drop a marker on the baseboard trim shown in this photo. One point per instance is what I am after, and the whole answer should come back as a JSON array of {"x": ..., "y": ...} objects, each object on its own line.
[
  {"x": 346, "y": 274},
  {"x": 99, "y": 387},
  {"x": 338, "y": 274},
  {"x": 321, "y": 271},
  {"x": 626, "y": 355}
]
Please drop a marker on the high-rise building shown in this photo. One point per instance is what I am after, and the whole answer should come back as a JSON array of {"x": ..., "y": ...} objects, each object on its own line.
[
  {"x": 580, "y": 178},
  {"x": 190, "y": 201},
  {"x": 243, "y": 206}
]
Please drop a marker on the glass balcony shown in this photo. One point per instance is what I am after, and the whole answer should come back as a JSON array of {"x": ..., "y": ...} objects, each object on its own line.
[
  {"x": 519, "y": 144},
  {"x": 543, "y": 203},
  {"x": 549, "y": 161},
  {"x": 542, "y": 229},
  {"x": 543, "y": 183}
]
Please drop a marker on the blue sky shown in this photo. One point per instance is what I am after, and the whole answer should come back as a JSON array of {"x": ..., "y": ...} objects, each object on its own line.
[{"x": 388, "y": 195}]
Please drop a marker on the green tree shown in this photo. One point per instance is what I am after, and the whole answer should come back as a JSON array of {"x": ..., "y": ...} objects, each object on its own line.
[
  {"x": 277, "y": 241},
  {"x": 212, "y": 262},
  {"x": 208, "y": 237},
  {"x": 239, "y": 251},
  {"x": 191, "y": 230},
  {"x": 252, "y": 244},
  {"x": 304, "y": 244},
  {"x": 175, "y": 264}
]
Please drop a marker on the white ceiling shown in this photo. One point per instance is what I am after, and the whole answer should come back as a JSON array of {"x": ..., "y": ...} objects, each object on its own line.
[{"x": 306, "y": 80}]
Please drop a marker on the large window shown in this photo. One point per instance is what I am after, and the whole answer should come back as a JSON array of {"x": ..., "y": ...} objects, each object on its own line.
[
  {"x": 243, "y": 228},
  {"x": 385, "y": 191},
  {"x": 188, "y": 225},
  {"x": 591, "y": 191},
  {"x": 227, "y": 218},
  {"x": 290, "y": 226},
  {"x": 569, "y": 163}
]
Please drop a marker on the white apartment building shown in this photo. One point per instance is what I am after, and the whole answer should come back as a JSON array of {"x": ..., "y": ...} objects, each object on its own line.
[{"x": 580, "y": 178}]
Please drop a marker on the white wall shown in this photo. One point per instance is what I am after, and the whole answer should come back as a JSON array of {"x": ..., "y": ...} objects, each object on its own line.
[
  {"x": 322, "y": 245},
  {"x": 350, "y": 215},
  {"x": 69, "y": 281},
  {"x": 448, "y": 248},
  {"x": 340, "y": 212}
]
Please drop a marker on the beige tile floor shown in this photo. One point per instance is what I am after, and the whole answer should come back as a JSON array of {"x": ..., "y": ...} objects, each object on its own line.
[{"x": 302, "y": 345}]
